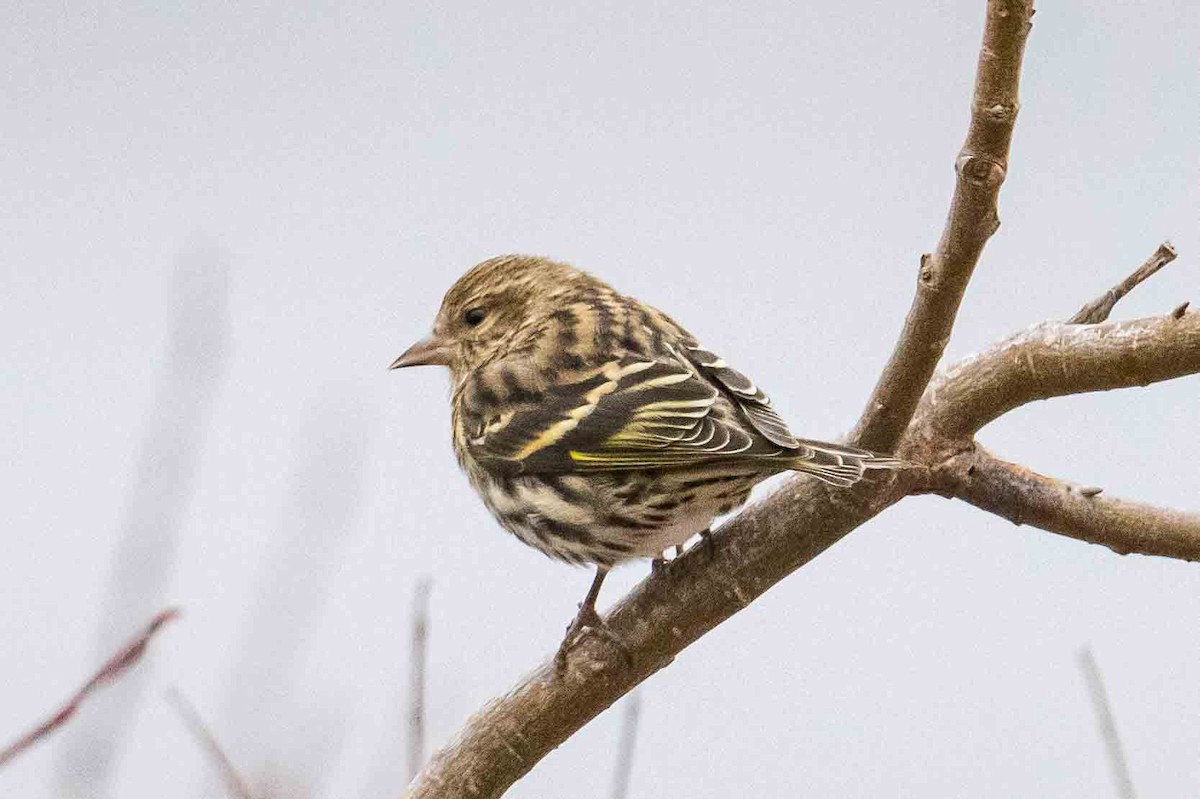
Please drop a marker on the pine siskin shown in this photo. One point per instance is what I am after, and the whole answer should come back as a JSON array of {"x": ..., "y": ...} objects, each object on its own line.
[{"x": 594, "y": 427}]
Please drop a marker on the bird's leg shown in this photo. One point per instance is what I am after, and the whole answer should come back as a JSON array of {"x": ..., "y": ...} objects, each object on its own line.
[
  {"x": 588, "y": 619},
  {"x": 707, "y": 541}
]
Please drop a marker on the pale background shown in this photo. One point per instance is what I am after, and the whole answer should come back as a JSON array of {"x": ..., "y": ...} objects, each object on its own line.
[{"x": 768, "y": 173}]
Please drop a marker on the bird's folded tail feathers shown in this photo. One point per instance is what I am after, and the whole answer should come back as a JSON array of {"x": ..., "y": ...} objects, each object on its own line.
[{"x": 837, "y": 464}]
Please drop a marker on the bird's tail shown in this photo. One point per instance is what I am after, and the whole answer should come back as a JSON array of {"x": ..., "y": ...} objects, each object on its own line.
[{"x": 837, "y": 464}]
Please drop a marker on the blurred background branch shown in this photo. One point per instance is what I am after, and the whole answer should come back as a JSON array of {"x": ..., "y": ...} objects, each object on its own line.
[
  {"x": 626, "y": 746},
  {"x": 1107, "y": 724},
  {"x": 278, "y": 725},
  {"x": 235, "y": 786},
  {"x": 144, "y": 561},
  {"x": 416, "y": 686}
]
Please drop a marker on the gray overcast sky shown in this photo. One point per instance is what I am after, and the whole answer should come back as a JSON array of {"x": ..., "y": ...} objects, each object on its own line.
[{"x": 768, "y": 173}]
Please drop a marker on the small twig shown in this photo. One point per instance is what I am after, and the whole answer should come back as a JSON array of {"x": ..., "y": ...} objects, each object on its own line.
[
  {"x": 117, "y": 665},
  {"x": 1107, "y": 724},
  {"x": 235, "y": 786},
  {"x": 626, "y": 745},
  {"x": 416, "y": 685},
  {"x": 1098, "y": 309}
]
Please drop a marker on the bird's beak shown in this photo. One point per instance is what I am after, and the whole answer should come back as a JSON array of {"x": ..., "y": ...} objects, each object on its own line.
[{"x": 429, "y": 351}]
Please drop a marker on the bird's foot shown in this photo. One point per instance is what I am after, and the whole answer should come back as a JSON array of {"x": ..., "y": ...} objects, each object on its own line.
[
  {"x": 661, "y": 564},
  {"x": 586, "y": 622}
]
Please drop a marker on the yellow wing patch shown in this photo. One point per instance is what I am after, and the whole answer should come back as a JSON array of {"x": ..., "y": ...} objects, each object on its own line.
[{"x": 614, "y": 373}]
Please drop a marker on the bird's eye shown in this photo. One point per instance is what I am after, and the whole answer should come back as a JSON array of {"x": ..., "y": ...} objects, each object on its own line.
[{"x": 474, "y": 316}]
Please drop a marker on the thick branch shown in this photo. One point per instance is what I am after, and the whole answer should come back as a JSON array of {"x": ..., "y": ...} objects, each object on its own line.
[
  {"x": 660, "y": 617},
  {"x": 981, "y": 167},
  {"x": 1098, "y": 309},
  {"x": 1054, "y": 359},
  {"x": 1026, "y": 497}
]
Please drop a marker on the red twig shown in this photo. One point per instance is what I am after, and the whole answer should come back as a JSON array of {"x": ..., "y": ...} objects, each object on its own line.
[{"x": 116, "y": 666}]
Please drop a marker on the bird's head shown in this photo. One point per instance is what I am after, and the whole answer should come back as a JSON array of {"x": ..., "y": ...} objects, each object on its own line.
[{"x": 492, "y": 309}]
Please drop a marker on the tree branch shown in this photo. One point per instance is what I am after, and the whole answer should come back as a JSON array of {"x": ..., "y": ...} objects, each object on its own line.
[
  {"x": 1081, "y": 512},
  {"x": 656, "y": 620},
  {"x": 768, "y": 541},
  {"x": 113, "y": 668},
  {"x": 1098, "y": 309},
  {"x": 1054, "y": 359},
  {"x": 981, "y": 167}
]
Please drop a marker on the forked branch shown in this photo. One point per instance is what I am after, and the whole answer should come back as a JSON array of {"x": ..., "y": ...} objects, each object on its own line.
[
  {"x": 981, "y": 167},
  {"x": 766, "y": 542}
]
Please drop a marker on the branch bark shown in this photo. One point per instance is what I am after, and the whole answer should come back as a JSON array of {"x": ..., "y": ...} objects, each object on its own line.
[
  {"x": 1054, "y": 359},
  {"x": 658, "y": 619}
]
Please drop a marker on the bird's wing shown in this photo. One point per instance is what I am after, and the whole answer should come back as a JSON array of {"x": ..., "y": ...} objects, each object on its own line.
[
  {"x": 632, "y": 412},
  {"x": 749, "y": 398}
]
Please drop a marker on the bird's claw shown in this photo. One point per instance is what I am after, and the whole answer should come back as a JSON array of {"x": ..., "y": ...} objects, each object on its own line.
[
  {"x": 589, "y": 621},
  {"x": 662, "y": 563}
]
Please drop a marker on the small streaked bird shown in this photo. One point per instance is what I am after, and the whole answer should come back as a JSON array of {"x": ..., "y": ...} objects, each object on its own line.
[{"x": 594, "y": 427}]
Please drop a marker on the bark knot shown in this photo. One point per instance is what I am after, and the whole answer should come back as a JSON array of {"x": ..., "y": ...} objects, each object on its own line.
[{"x": 980, "y": 171}]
